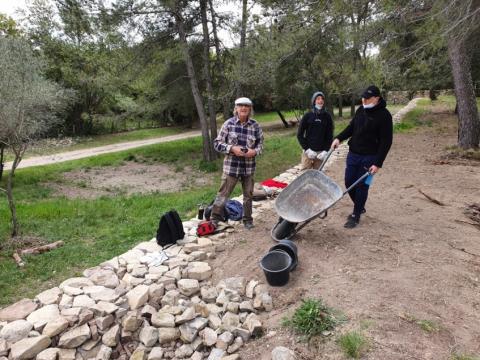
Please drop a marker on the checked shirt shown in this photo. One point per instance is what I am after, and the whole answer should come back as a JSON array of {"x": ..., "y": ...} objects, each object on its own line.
[{"x": 234, "y": 133}]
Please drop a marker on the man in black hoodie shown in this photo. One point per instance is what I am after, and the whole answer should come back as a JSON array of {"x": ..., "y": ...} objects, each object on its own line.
[
  {"x": 370, "y": 133},
  {"x": 315, "y": 133}
]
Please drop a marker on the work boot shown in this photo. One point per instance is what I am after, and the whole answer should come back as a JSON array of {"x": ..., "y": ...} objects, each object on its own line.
[
  {"x": 248, "y": 225},
  {"x": 353, "y": 214},
  {"x": 352, "y": 221}
]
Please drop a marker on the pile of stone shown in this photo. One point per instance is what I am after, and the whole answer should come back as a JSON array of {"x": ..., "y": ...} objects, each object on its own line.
[
  {"x": 125, "y": 308},
  {"x": 136, "y": 307}
]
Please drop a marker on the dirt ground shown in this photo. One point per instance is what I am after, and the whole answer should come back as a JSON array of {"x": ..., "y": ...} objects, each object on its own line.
[
  {"x": 409, "y": 261},
  {"x": 129, "y": 178}
]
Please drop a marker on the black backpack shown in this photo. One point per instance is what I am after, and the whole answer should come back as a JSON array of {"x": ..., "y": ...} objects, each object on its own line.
[{"x": 170, "y": 228}]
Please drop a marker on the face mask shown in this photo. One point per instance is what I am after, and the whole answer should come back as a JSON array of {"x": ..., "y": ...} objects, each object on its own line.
[
  {"x": 369, "y": 106},
  {"x": 318, "y": 107}
]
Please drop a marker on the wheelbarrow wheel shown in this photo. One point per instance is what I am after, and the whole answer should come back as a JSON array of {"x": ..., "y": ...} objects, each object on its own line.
[{"x": 283, "y": 230}]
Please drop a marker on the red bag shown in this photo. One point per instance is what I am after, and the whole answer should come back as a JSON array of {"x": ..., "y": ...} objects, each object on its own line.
[{"x": 206, "y": 228}]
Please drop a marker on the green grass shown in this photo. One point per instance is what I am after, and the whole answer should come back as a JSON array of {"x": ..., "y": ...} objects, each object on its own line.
[
  {"x": 428, "y": 325},
  {"x": 464, "y": 357},
  {"x": 353, "y": 344},
  {"x": 312, "y": 318},
  {"x": 96, "y": 230}
]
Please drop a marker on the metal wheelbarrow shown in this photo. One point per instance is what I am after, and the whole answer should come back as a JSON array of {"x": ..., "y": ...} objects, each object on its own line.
[{"x": 306, "y": 198}]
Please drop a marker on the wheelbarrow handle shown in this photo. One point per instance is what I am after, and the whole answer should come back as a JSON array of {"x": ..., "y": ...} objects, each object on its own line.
[
  {"x": 357, "y": 182},
  {"x": 325, "y": 159}
]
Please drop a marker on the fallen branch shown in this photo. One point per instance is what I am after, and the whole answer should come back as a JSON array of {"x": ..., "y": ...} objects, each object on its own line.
[
  {"x": 435, "y": 201},
  {"x": 18, "y": 260},
  {"x": 41, "y": 249}
]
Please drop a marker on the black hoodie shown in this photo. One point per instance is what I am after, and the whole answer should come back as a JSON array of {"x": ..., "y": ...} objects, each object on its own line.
[
  {"x": 316, "y": 130},
  {"x": 370, "y": 132}
]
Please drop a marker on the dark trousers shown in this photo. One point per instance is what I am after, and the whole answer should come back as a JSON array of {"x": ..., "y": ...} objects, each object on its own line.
[
  {"x": 357, "y": 165},
  {"x": 226, "y": 188}
]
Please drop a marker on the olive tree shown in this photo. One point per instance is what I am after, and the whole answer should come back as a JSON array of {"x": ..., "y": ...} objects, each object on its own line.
[{"x": 29, "y": 106}]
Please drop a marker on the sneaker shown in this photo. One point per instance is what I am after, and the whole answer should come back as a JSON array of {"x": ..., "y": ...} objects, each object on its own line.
[
  {"x": 248, "y": 225},
  {"x": 351, "y": 222},
  {"x": 352, "y": 214}
]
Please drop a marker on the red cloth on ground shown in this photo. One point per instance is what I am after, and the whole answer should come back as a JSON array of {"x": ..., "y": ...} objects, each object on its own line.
[{"x": 274, "y": 183}]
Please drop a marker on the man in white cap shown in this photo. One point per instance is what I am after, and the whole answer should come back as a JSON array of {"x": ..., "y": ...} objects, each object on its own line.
[{"x": 241, "y": 140}]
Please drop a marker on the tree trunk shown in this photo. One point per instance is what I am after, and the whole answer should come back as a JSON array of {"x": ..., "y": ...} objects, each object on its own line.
[
  {"x": 468, "y": 121},
  {"x": 11, "y": 201},
  {"x": 206, "y": 69},
  {"x": 243, "y": 39},
  {"x": 340, "y": 105},
  {"x": 220, "y": 68},
  {"x": 207, "y": 142},
  {"x": 285, "y": 123}
]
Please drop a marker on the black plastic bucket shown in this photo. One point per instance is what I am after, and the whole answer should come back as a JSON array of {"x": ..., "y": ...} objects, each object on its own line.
[
  {"x": 276, "y": 266},
  {"x": 290, "y": 248}
]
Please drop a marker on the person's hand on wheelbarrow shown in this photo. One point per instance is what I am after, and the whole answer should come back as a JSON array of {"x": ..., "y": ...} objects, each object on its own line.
[
  {"x": 373, "y": 169},
  {"x": 335, "y": 144}
]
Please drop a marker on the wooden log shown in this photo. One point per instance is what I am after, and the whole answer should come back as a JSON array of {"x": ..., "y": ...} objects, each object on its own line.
[{"x": 41, "y": 249}]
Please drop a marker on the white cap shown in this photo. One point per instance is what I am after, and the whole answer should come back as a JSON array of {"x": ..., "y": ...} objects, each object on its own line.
[{"x": 243, "y": 101}]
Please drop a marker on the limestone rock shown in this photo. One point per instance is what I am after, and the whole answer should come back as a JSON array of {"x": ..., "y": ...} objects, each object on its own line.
[
  {"x": 156, "y": 354},
  {"x": 131, "y": 257},
  {"x": 78, "y": 282},
  {"x": 170, "y": 297},
  {"x": 29, "y": 347},
  {"x": 249, "y": 291},
  {"x": 198, "y": 270},
  {"x": 148, "y": 336},
  {"x": 224, "y": 340},
  {"x": 209, "y": 294},
  {"x": 138, "y": 296},
  {"x": 104, "y": 322},
  {"x": 243, "y": 333},
  {"x": 75, "y": 337},
  {"x": 104, "y": 308},
  {"x": 97, "y": 293},
  {"x": 42, "y": 316},
  {"x": 16, "y": 330},
  {"x": 166, "y": 335},
  {"x": 139, "y": 271},
  {"x": 188, "y": 314},
  {"x": 184, "y": 351},
  {"x": 132, "y": 281},
  {"x": 104, "y": 353},
  {"x": 83, "y": 301},
  {"x": 216, "y": 354},
  {"x": 214, "y": 321},
  {"x": 48, "y": 354},
  {"x": 55, "y": 327},
  {"x": 231, "y": 357},
  {"x": 66, "y": 354},
  {"x": 282, "y": 353},
  {"x": 148, "y": 246},
  {"x": 267, "y": 302},
  {"x": 230, "y": 321},
  {"x": 138, "y": 354},
  {"x": 236, "y": 345},
  {"x": 253, "y": 324},
  {"x": 72, "y": 291},
  {"x": 131, "y": 321},
  {"x": 20, "y": 310},
  {"x": 233, "y": 307},
  {"x": 66, "y": 301},
  {"x": 156, "y": 290},
  {"x": 165, "y": 320},
  {"x": 104, "y": 277},
  {"x": 4, "y": 347},
  {"x": 190, "y": 330},
  {"x": 209, "y": 336},
  {"x": 110, "y": 338},
  {"x": 50, "y": 296},
  {"x": 188, "y": 287},
  {"x": 237, "y": 284}
]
